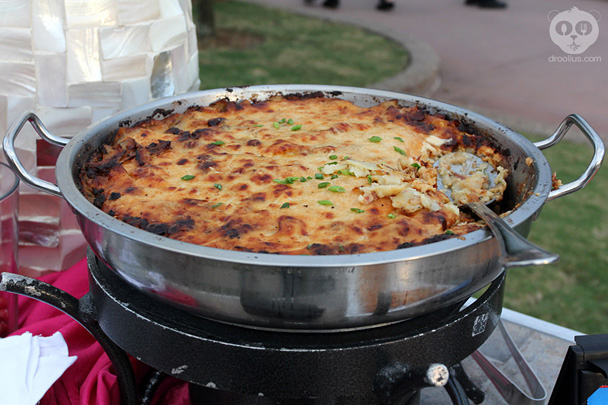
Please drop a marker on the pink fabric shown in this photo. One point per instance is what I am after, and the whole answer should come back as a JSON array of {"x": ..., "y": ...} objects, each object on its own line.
[{"x": 91, "y": 379}]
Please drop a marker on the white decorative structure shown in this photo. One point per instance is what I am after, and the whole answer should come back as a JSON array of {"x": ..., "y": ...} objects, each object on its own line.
[{"x": 74, "y": 62}]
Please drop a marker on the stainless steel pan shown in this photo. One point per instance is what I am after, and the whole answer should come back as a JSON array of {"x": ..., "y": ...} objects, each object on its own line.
[{"x": 312, "y": 293}]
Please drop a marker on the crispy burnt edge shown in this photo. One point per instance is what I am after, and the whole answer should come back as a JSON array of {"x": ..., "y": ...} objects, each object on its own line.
[
  {"x": 468, "y": 135},
  {"x": 97, "y": 197}
]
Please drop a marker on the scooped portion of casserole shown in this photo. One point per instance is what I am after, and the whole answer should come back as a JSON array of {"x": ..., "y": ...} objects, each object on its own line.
[{"x": 294, "y": 174}]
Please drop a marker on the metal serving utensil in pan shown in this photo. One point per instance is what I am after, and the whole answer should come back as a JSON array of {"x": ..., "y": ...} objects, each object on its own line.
[{"x": 517, "y": 250}]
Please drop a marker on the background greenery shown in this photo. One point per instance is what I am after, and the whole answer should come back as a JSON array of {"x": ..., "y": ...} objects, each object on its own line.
[
  {"x": 279, "y": 47},
  {"x": 573, "y": 291},
  {"x": 256, "y": 45}
]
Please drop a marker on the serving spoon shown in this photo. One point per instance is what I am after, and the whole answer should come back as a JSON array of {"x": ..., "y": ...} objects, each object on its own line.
[{"x": 516, "y": 250}]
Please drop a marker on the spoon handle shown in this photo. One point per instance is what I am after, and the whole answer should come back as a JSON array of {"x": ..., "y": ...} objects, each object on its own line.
[{"x": 517, "y": 250}]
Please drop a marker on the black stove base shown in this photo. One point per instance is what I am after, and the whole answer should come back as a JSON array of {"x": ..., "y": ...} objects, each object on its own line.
[
  {"x": 204, "y": 395},
  {"x": 383, "y": 363}
]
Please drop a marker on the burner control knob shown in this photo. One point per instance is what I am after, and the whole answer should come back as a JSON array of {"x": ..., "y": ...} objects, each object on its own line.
[
  {"x": 437, "y": 375},
  {"x": 398, "y": 383}
]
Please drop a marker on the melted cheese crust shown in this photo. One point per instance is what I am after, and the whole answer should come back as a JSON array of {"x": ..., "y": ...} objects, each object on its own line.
[{"x": 289, "y": 175}]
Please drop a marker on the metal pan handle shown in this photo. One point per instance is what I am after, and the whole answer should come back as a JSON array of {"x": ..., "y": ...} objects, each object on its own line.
[
  {"x": 13, "y": 159},
  {"x": 596, "y": 161}
]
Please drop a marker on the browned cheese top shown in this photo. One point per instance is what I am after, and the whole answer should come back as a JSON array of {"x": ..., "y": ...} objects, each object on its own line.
[{"x": 289, "y": 175}]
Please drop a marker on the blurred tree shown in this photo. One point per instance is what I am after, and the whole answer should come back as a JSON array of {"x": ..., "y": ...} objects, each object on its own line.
[{"x": 204, "y": 17}]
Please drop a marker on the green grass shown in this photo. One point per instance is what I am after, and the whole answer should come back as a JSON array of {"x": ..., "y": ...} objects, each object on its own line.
[
  {"x": 296, "y": 49},
  {"x": 572, "y": 292}
]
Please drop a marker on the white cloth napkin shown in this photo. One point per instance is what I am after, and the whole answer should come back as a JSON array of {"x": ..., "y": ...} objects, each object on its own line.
[{"x": 29, "y": 365}]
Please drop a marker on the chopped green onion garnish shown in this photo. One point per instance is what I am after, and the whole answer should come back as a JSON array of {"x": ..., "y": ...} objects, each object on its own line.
[
  {"x": 303, "y": 179},
  {"x": 285, "y": 205},
  {"x": 276, "y": 125},
  {"x": 323, "y": 185},
  {"x": 341, "y": 248},
  {"x": 337, "y": 189},
  {"x": 375, "y": 139},
  {"x": 216, "y": 205},
  {"x": 218, "y": 186},
  {"x": 282, "y": 121},
  {"x": 399, "y": 139},
  {"x": 357, "y": 210},
  {"x": 335, "y": 176},
  {"x": 331, "y": 163},
  {"x": 290, "y": 122},
  {"x": 319, "y": 176},
  {"x": 346, "y": 158},
  {"x": 258, "y": 125},
  {"x": 188, "y": 177},
  {"x": 287, "y": 180},
  {"x": 415, "y": 165},
  {"x": 369, "y": 178},
  {"x": 218, "y": 143},
  {"x": 325, "y": 202},
  {"x": 333, "y": 157},
  {"x": 399, "y": 151},
  {"x": 448, "y": 232},
  {"x": 310, "y": 178},
  {"x": 296, "y": 127},
  {"x": 392, "y": 216}
]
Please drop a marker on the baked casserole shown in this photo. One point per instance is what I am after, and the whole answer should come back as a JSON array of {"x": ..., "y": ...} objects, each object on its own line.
[{"x": 296, "y": 174}]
